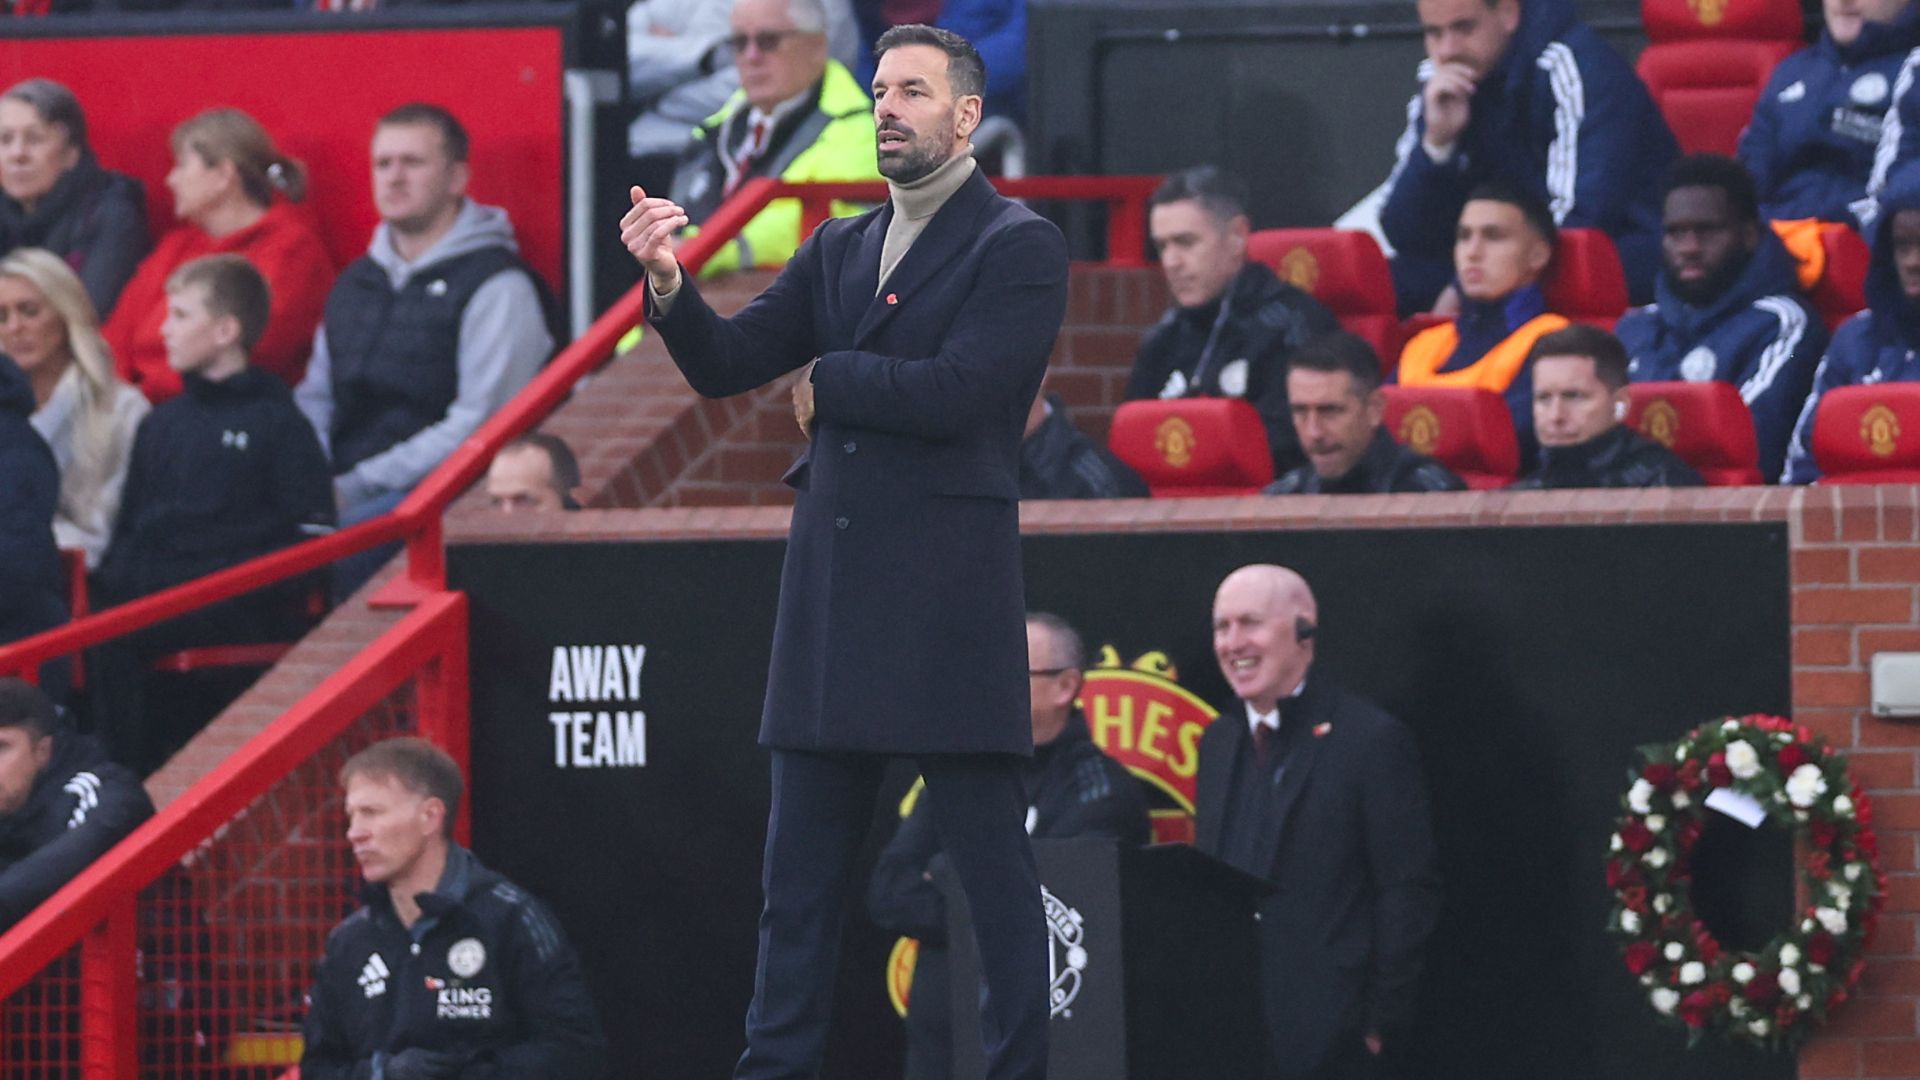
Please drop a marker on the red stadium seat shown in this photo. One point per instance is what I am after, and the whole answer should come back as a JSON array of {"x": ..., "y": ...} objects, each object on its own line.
[
  {"x": 1585, "y": 282},
  {"x": 1842, "y": 289},
  {"x": 1193, "y": 446},
  {"x": 1343, "y": 270},
  {"x": 1469, "y": 431},
  {"x": 1868, "y": 434},
  {"x": 1695, "y": 20},
  {"x": 1707, "y": 89},
  {"x": 1705, "y": 423}
]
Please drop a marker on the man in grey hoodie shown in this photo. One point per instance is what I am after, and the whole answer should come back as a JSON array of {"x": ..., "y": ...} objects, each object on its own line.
[{"x": 425, "y": 335}]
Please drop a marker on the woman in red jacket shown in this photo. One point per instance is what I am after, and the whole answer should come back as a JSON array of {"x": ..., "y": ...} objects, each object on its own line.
[{"x": 236, "y": 193}]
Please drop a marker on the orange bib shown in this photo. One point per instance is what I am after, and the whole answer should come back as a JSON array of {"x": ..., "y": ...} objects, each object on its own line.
[{"x": 1420, "y": 361}]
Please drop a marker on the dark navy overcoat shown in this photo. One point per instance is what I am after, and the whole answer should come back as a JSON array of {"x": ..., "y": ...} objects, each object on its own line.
[{"x": 901, "y": 623}]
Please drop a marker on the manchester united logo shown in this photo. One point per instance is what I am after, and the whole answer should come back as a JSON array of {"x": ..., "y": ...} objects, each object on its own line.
[
  {"x": 1880, "y": 430},
  {"x": 1709, "y": 12},
  {"x": 1144, "y": 719},
  {"x": 1300, "y": 269},
  {"x": 1420, "y": 429},
  {"x": 1174, "y": 440},
  {"x": 1661, "y": 422}
]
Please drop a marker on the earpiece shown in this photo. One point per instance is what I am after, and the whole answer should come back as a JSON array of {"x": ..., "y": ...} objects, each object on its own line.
[
  {"x": 1619, "y": 410},
  {"x": 1303, "y": 629}
]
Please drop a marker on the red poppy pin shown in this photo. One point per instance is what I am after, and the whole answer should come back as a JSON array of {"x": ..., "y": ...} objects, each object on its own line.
[
  {"x": 1320, "y": 730},
  {"x": 893, "y": 298}
]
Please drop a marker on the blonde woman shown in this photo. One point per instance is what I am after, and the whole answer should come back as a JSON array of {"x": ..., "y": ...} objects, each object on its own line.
[
  {"x": 83, "y": 410},
  {"x": 235, "y": 193}
]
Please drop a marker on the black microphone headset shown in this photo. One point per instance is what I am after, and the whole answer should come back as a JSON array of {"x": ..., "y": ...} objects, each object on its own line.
[{"x": 1304, "y": 629}]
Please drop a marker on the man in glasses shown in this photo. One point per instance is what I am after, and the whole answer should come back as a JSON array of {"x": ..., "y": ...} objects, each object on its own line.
[{"x": 798, "y": 115}]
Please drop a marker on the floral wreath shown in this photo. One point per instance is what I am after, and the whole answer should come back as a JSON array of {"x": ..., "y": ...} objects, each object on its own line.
[{"x": 1772, "y": 997}]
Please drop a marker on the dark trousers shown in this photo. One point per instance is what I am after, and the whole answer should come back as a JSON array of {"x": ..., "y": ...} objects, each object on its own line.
[{"x": 822, "y": 805}]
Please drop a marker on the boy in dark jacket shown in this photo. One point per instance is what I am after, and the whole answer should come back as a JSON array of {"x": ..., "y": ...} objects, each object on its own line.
[
  {"x": 227, "y": 471},
  {"x": 62, "y": 803},
  {"x": 1881, "y": 343}
]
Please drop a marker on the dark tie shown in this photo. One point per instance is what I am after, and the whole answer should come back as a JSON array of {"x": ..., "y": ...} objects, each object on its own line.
[
  {"x": 1266, "y": 740},
  {"x": 749, "y": 154}
]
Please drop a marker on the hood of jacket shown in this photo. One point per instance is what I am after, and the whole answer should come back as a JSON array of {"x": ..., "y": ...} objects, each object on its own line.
[
  {"x": 1876, "y": 38},
  {"x": 16, "y": 394},
  {"x": 477, "y": 226},
  {"x": 1542, "y": 22},
  {"x": 1770, "y": 271},
  {"x": 1894, "y": 311}
]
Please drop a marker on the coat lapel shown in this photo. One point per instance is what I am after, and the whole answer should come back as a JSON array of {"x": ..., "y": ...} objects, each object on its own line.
[
  {"x": 857, "y": 287},
  {"x": 1306, "y": 751},
  {"x": 1216, "y": 778},
  {"x": 947, "y": 234}
]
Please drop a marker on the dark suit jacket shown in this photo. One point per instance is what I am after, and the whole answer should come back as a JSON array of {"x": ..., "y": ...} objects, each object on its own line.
[
  {"x": 901, "y": 626},
  {"x": 1354, "y": 861}
]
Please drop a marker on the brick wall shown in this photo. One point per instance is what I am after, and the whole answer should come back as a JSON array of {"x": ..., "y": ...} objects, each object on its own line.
[{"x": 1855, "y": 568}]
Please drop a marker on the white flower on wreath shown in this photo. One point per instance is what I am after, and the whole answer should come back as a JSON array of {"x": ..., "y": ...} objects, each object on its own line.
[
  {"x": 1680, "y": 753},
  {"x": 1655, "y": 857},
  {"x": 1662, "y": 903},
  {"x": 1805, "y": 785},
  {"x": 1853, "y": 871},
  {"x": 1817, "y": 969},
  {"x": 1782, "y": 737},
  {"x": 1730, "y": 725},
  {"x": 1835, "y": 922},
  {"x": 1803, "y": 1002},
  {"x": 1737, "y": 1008},
  {"x": 1615, "y": 844},
  {"x": 1760, "y": 1027},
  {"x": 1681, "y": 800},
  {"x": 1842, "y": 896},
  {"x": 1789, "y": 954},
  {"x": 1743, "y": 761},
  {"x": 1842, "y": 806},
  {"x": 1743, "y": 973},
  {"x": 1656, "y": 822},
  {"x": 1693, "y": 973},
  {"x": 1640, "y": 796},
  {"x": 1630, "y": 922},
  {"x": 1789, "y": 981},
  {"x": 1664, "y": 1000},
  {"x": 1674, "y": 951}
]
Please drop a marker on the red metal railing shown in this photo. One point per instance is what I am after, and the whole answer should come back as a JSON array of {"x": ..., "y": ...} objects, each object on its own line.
[{"x": 184, "y": 950}]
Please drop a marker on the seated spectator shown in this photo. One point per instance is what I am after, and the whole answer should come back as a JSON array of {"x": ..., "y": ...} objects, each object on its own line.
[
  {"x": 33, "y": 584},
  {"x": 55, "y": 195},
  {"x": 997, "y": 28},
  {"x": 535, "y": 473},
  {"x": 1728, "y": 307},
  {"x": 83, "y": 410},
  {"x": 427, "y": 334},
  {"x": 1811, "y": 143},
  {"x": 1073, "y": 790},
  {"x": 798, "y": 116},
  {"x": 1232, "y": 323},
  {"x": 1501, "y": 250},
  {"x": 227, "y": 471},
  {"x": 680, "y": 68},
  {"x": 1058, "y": 461},
  {"x": 235, "y": 194},
  {"x": 1881, "y": 343},
  {"x": 449, "y": 970},
  {"x": 1524, "y": 94},
  {"x": 62, "y": 803},
  {"x": 1333, "y": 383},
  {"x": 1579, "y": 411}
]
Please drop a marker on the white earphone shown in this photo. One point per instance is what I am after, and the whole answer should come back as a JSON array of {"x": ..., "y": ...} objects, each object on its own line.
[{"x": 1619, "y": 410}]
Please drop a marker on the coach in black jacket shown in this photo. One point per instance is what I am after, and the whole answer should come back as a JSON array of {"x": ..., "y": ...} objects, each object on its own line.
[
  {"x": 62, "y": 803},
  {"x": 921, "y": 331},
  {"x": 1073, "y": 790},
  {"x": 1321, "y": 793}
]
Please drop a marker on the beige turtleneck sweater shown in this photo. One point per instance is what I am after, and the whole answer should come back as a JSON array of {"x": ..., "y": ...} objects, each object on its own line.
[{"x": 913, "y": 207}]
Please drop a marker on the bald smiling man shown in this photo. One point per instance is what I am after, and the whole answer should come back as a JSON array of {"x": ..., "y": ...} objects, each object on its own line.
[{"x": 1351, "y": 854}]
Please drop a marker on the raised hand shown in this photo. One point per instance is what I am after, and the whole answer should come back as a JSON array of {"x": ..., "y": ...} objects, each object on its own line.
[
  {"x": 1446, "y": 106},
  {"x": 647, "y": 231}
]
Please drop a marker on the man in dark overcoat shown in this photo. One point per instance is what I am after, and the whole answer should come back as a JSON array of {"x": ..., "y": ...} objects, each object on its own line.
[{"x": 920, "y": 332}]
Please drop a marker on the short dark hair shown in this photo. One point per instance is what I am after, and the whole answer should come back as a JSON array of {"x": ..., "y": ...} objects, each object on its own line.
[
  {"x": 234, "y": 287},
  {"x": 1539, "y": 218},
  {"x": 560, "y": 457},
  {"x": 452, "y": 135},
  {"x": 1608, "y": 355},
  {"x": 1218, "y": 191},
  {"x": 414, "y": 764},
  {"x": 55, "y": 105},
  {"x": 1716, "y": 171},
  {"x": 1337, "y": 350},
  {"x": 24, "y": 705},
  {"x": 966, "y": 71}
]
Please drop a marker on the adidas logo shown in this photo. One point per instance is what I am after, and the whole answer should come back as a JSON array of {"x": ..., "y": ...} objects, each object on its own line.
[
  {"x": 85, "y": 789},
  {"x": 373, "y": 977}
]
